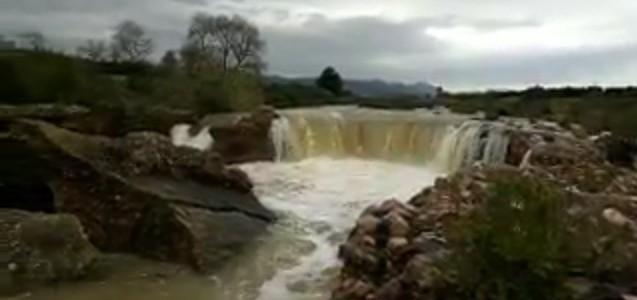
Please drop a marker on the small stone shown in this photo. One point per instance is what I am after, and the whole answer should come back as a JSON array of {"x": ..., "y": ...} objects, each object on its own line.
[
  {"x": 12, "y": 267},
  {"x": 397, "y": 245},
  {"x": 615, "y": 217},
  {"x": 390, "y": 205},
  {"x": 367, "y": 224},
  {"x": 369, "y": 241},
  {"x": 421, "y": 271},
  {"x": 360, "y": 289},
  {"x": 390, "y": 291},
  {"x": 398, "y": 226}
]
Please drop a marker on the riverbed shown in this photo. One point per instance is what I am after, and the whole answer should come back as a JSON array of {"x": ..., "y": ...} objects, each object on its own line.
[{"x": 317, "y": 201}]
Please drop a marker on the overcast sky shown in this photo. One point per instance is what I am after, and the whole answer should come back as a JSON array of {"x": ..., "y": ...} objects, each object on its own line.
[{"x": 459, "y": 44}]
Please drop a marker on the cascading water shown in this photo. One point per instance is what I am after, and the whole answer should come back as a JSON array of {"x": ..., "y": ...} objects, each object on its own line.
[
  {"x": 415, "y": 137},
  {"x": 331, "y": 163}
]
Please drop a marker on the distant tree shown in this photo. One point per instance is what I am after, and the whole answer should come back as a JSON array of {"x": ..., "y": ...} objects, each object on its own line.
[
  {"x": 192, "y": 58},
  {"x": 34, "y": 40},
  {"x": 330, "y": 80},
  {"x": 170, "y": 59},
  {"x": 93, "y": 50},
  {"x": 229, "y": 43},
  {"x": 130, "y": 42},
  {"x": 246, "y": 45}
]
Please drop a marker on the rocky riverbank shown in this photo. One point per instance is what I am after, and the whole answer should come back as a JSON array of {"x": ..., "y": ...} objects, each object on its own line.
[
  {"x": 403, "y": 251},
  {"x": 136, "y": 194}
]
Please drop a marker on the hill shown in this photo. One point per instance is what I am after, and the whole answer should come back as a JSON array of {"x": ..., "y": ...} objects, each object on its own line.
[{"x": 375, "y": 88}]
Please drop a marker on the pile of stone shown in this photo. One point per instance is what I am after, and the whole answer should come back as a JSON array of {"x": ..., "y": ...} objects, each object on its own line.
[{"x": 395, "y": 250}]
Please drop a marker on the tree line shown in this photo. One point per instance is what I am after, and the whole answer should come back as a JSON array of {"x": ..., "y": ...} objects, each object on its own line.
[{"x": 213, "y": 41}]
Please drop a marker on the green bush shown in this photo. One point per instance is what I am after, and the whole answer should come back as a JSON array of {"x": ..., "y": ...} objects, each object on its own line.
[
  {"x": 522, "y": 244},
  {"x": 612, "y": 109},
  {"x": 43, "y": 77},
  {"x": 515, "y": 247},
  {"x": 30, "y": 77}
]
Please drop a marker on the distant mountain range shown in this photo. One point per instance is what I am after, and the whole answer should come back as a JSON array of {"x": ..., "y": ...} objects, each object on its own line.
[{"x": 370, "y": 88}]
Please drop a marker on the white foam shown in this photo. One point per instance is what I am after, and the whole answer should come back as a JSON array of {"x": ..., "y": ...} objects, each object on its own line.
[
  {"x": 180, "y": 135},
  {"x": 324, "y": 191}
]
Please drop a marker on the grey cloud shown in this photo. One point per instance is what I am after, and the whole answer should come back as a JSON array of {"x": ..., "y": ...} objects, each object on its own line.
[
  {"x": 193, "y": 2},
  {"x": 575, "y": 66},
  {"x": 303, "y": 37},
  {"x": 356, "y": 45}
]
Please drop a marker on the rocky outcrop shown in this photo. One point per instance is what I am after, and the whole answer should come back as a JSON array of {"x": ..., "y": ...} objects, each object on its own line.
[
  {"x": 39, "y": 248},
  {"x": 142, "y": 195},
  {"x": 245, "y": 138},
  {"x": 117, "y": 121},
  {"x": 396, "y": 250}
]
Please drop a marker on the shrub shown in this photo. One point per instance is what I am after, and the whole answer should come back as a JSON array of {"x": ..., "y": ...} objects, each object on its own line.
[
  {"x": 515, "y": 247},
  {"x": 528, "y": 238}
]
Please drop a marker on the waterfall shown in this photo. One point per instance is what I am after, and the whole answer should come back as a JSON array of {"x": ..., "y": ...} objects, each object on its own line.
[{"x": 445, "y": 142}]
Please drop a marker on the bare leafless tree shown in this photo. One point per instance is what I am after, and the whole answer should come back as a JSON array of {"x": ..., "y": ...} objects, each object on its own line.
[
  {"x": 130, "y": 42},
  {"x": 246, "y": 46},
  {"x": 227, "y": 42},
  {"x": 94, "y": 50}
]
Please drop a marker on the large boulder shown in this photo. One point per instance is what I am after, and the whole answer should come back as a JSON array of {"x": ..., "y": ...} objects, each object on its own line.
[
  {"x": 140, "y": 194},
  {"x": 39, "y": 248},
  {"x": 243, "y": 138}
]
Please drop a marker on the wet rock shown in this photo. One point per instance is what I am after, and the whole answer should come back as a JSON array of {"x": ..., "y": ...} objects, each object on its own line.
[
  {"x": 616, "y": 218},
  {"x": 397, "y": 245},
  {"x": 421, "y": 272},
  {"x": 39, "y": 248},
  {"x": 398, "y": 226},
  {"x": 578, "y": 130},
  {"x": 353, "y": 289},
  {"x": 142, "y": 195},
  {"x": 367, "y": 224},
  {"x": 246, "y": 139},
  {"x": 393, "y": 290}
]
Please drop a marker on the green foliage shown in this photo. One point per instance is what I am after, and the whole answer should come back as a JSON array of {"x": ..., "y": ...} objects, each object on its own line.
[
  {"x": 297, "y": 95},
  {"x": 331, "y": 81},
  {"x": 594, "y": 108},
  {"x": 516, "y": 247},
  {"x": 37, "y": 77},
  {"x": 209, "y": 92},
  {"x": 525, "y": 240}
]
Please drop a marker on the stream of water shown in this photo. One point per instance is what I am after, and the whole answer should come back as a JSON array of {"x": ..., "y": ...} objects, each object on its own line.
[
  {"x": 318, "y": 201},
  {"x": 331, "y": 163}
]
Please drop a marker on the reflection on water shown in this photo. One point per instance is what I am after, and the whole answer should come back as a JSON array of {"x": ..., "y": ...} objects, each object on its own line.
[{"x": 318, "y": 200}]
